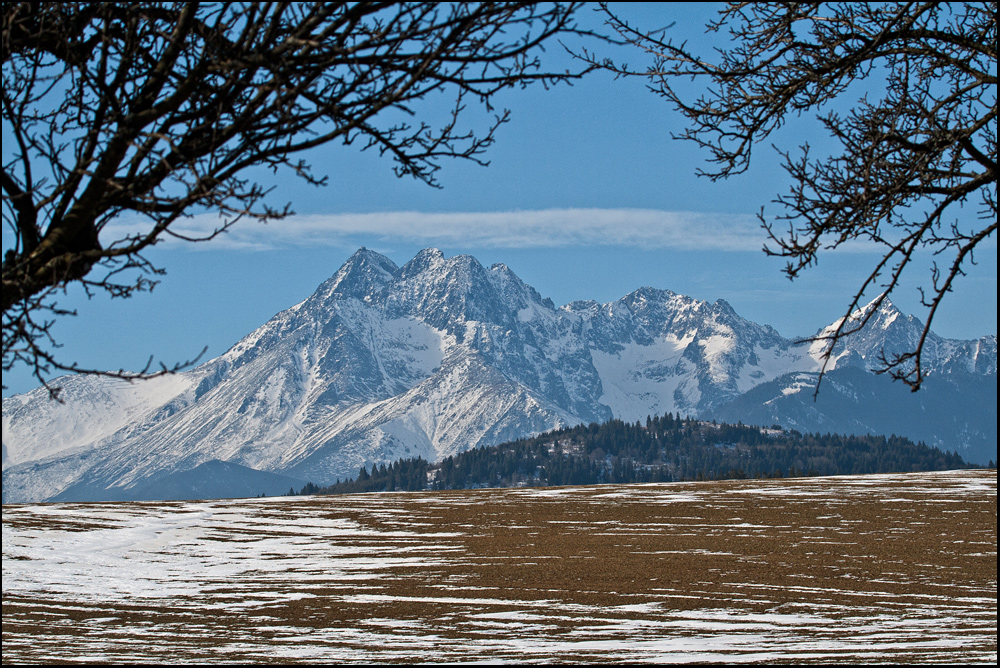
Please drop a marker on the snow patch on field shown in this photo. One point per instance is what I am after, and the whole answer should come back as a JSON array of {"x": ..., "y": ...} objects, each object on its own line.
[{"x": 257, "y": 579}]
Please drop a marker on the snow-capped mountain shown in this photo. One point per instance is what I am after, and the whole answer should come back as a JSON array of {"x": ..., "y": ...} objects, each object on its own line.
[
  {"x": 891, "y": 333},
  {"x": 428, "y": 359}
]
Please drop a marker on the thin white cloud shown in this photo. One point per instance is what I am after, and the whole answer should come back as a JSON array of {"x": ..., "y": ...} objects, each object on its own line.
[
  {"x": 644, "y": 228},
  {"x": 546, "y": 228}
]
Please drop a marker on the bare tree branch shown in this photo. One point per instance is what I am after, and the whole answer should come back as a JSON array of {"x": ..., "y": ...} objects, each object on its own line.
[
  {"x": 157, "y": 110},
  {"x": 911, "y": 159}
]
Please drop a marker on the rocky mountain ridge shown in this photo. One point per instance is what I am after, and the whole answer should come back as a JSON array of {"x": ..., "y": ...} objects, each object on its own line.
[{"x": 428, "y": 359}]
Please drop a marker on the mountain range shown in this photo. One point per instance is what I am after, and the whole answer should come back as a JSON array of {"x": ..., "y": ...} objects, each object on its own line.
[{"x": 442, "y": 355}]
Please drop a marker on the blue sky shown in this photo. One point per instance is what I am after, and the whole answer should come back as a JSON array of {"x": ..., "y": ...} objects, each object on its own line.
[{"x": 586, "y": 197}]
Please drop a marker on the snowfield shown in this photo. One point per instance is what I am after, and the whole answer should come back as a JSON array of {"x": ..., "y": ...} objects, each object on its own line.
[{"x": 889, "y": 568}]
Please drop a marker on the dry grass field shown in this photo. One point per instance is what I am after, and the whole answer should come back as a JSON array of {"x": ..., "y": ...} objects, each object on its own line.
[{"x": 869, "y": 569}]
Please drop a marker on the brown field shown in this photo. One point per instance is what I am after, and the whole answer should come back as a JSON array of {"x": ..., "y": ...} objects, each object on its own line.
[{"x": 871, "y": 569}]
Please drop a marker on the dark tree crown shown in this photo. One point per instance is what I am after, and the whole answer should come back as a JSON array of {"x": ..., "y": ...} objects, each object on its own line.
[{"x": 154, "y": 111}]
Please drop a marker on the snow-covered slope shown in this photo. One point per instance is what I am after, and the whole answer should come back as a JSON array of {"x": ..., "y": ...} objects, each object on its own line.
[
  {"x": 429, "y": 359},
  {"x": 36, "y": 427}
]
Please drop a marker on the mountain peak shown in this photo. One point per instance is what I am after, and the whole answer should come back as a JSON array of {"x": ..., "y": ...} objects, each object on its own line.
[
  {"x": 725, "y": 306},
  {"x": 432, "y": 266},
  {"x": 365, "y": 256},
  {"x": 886, "y": 317},
  {"x": 426, "y": 260},
  {"x": 888, "y": 332},
  {"x": 884, "y": 305},
  {"x": 364, "y": 273}
]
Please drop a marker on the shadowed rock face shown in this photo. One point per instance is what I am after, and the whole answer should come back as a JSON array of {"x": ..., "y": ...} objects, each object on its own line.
[{"x": 429, "y": 359}]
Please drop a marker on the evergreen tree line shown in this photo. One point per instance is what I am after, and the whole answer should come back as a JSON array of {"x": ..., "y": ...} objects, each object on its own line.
[{"x": 663, "y": 449}]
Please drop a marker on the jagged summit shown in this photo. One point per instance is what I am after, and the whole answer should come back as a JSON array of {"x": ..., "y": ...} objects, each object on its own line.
[
  {"x": 888, "y": 332},
  {"x": 429, "y": 259},
  {"x": 365, "y": 273},
  {"x": 881, "y": 311},
  {"x": 428, "y": 359}
]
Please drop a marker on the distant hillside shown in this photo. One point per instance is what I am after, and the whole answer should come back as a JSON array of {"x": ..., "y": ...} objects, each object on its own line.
[
  {"x": 952, "y": 411},
  {"x": 663, "y": 449},
  {"x": 212, "y": 480}
]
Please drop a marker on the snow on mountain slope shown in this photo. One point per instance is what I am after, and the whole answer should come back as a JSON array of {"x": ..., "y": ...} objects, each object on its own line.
[
  {"x": 891, "y": 332},
  {"x": 657, "y": 351},
  {"x": 36, "y": 427},
  {"x": 428, "y": 359}
]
